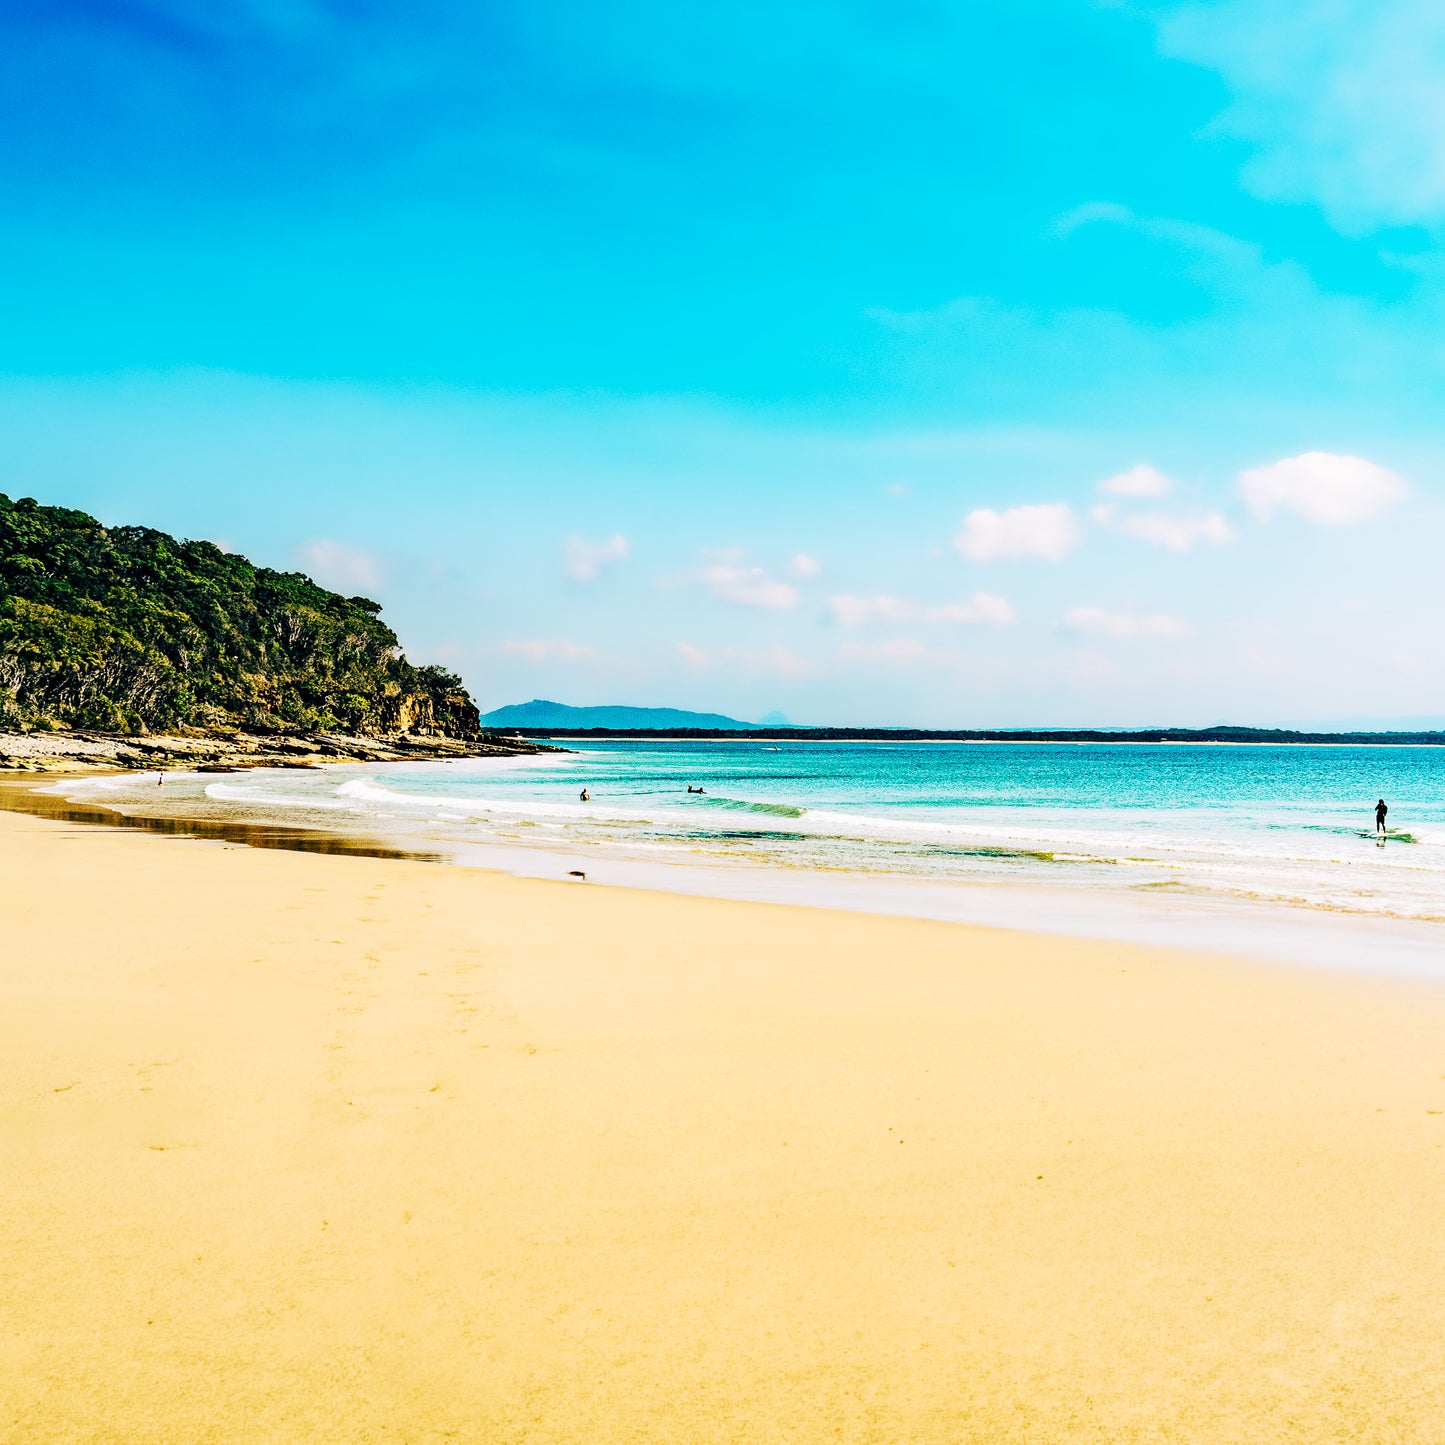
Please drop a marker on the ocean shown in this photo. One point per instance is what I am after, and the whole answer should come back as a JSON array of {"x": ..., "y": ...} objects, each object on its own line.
[{"x": 1286, "y": 826}]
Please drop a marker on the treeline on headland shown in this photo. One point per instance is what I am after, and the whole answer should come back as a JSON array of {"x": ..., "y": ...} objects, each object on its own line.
[
  {"x": 126, "y": 629},
  {"x": 1000, "y": 735}
]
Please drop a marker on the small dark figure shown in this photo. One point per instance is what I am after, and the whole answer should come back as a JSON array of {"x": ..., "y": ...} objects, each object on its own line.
[
  {"x": 586, "y": 796},
  {"x": 578, "y": 873},
  {"x": 691, "y": 789},
  {"x": 1380, "y": 811},
  {"x": 160, "y": 779}
]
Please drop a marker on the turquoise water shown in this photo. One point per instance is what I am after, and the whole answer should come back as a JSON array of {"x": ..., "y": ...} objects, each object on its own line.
[{"x": 1289, "y": 824}]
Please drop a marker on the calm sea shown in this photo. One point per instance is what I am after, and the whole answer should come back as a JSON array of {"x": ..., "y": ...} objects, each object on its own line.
[{"x": 1291, "y": 825}]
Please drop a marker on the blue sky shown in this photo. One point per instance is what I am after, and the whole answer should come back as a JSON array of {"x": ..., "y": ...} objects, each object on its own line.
[{"x": 946, "y": 364}]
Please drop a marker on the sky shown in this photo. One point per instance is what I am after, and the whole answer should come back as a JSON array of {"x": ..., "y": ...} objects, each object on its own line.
[{"x": 1029, "y": 363}]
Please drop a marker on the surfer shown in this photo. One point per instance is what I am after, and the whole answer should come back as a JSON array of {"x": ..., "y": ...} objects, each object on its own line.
[
  {"x": 1380, "y": 811},
  {"x": 691, "y": 789}
]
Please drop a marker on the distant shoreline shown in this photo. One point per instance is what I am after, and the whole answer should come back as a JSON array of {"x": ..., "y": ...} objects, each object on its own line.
[{"x": 1214, "y": 737}]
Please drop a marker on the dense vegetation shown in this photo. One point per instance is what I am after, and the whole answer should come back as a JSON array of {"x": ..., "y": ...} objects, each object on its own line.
[{"x": 124, "y": 629}]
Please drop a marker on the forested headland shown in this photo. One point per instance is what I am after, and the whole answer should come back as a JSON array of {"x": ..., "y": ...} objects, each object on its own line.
[{"x": 129, "y": 630}]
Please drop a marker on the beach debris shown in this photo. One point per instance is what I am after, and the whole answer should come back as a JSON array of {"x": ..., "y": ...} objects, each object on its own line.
[{"x": 577, "y": 873}]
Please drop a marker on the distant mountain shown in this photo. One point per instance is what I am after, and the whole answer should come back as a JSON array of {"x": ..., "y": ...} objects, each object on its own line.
[{"x": 542, "y": 714}]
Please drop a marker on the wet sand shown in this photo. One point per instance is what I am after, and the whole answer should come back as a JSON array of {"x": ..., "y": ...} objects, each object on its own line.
[{"x": 308, "y": 1147}]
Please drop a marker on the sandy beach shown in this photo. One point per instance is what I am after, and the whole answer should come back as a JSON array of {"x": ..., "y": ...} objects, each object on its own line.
[{"x": 326, "y": 1148}]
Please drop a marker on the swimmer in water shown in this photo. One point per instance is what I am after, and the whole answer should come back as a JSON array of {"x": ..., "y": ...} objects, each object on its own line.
[{"x": 586, "y": 796}]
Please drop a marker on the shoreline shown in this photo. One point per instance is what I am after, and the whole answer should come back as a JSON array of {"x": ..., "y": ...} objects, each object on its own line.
[
  {"x": 1293, "y": 933},
  {"x": 332, "y": 1147},
  {"x": 21, "y": 794}
]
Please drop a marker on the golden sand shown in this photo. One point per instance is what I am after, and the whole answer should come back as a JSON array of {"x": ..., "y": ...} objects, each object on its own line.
[{"x": 303, "y": 1148}]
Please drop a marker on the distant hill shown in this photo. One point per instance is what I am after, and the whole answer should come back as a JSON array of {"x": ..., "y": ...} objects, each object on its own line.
[
  {"x": 559, "y": 716},
  {"x": 125, "y": 629}
]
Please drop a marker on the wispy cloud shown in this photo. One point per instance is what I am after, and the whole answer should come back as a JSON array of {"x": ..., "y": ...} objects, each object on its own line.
[
  {"x": 1323, "y": 488},
  {"x": 583, "y": 561},
  {"x": 805, "y": 567},
  {"x": 1206, "y": 253},
  {"x": 1176, "y": 531},
  {"x": 1344, "y": 102},
  {"x": 540, "y": 651},
  {"x": 1088, "y": 214},
  {"x": 774, "y": 660},
  {"x": 896, "y": 650},
  {"x": 342, "y": 567},
  {"x": 855, "y": 611},
  {"x": 1096, "y": 622},
  {"x": 1048, "y": 532},
  {"x": 728, "y": 575},
  {"x": 850, "y": 611},
  {"x": 750, "y": 587},
  {"x": 1140, "y": 481}
]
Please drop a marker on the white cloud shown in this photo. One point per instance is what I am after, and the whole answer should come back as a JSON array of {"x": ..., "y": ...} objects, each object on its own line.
[
  {"x": 1177, "y": 532},
  {"x": 899, "y": 649},
  {"x": 731, "y": 578},
  {"x": 536, "y": 651},
  {"x": 1049, "y": 532},
  {"x": 343, "y": 568},
  {"x": 804, "y": 567},
  {"x": 1095, "y": 622},
  {"x": 775, "y": 660},
  {"x": 583, "y": 561},
  {"x": 1343, "y": 99},
  {"x": 749, "y": 587},
  {"x": 849, "y": 611},
  {"x": 982, "y": 607},
  {"x": 855, "y": 611},
  {"x": 1140, "y": 481},
  {"x": 1329, "y": 490},
  {"x": 772, "y": 661}
]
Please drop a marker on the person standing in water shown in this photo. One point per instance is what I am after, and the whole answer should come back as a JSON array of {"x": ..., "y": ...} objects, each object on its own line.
[
  {"x": 586, "y": 797},
  {"x": 1380, "y": 811}
]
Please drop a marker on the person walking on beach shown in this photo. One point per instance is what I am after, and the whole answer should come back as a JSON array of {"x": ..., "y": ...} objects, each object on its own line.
[{"x": 1380, "y": 811}]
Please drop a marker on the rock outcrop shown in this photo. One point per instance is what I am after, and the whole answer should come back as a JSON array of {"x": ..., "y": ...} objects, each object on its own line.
[{"x": 78, "y": 751}]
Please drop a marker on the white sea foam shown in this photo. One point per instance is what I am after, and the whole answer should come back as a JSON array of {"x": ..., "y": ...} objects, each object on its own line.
[
  {"x": 269, "y": 798},
  {"x": 1261, "y": 824}
]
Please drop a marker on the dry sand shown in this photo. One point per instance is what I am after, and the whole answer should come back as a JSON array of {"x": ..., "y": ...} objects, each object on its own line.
[{"x": 303, "y": 1148}]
